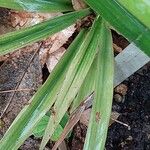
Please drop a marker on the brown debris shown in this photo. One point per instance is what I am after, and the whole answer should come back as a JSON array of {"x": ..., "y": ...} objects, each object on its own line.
[
  {"x": 78, "y": 4},
  {"x": 85, "y": 117},
  {"x": 52, "y": 44},
  {"x": 118, "y": 98},
  {"x": 98, "y": 117},
  {"x": 121, "y": 89},
  {"x": 117, "y": 49}
]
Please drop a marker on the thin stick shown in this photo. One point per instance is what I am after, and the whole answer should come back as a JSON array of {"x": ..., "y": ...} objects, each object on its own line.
[
  {"x": 18, "y": 90},
  {"x": 28, "y": 65},
  {"x": 121, "y": 123}
]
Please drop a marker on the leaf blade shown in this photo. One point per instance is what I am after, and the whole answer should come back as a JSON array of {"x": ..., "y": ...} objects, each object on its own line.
[
  {"x": 136, "y": 8},
  {"x": 44, "y": 98},
  {"x": 74, "y": 79},
  {"x": 37, "y": 5},
  {"x": 124, "y": 22},
  {"x": 101, "y": 110},
  {"x": 11, "y": 41}
]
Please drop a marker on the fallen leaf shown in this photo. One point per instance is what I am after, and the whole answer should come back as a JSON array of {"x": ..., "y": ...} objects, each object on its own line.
[
  {"x": 78, "y": 4},
  {"x": 26, "y": 19},
  {"x": 51, "y": 44},
  {"x": 85, "y": 117},
  {"x": 114, "y": 117}
]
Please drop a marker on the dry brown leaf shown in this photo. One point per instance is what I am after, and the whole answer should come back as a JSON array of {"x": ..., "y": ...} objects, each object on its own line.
[
  {"x": 121, "y": 89},
  {"x": 25, "y": 19},
  {"x": 85, "y": 117},
  {"x": 53, "y": 58},
  {"x": 117, "y": 48},
  {"x": 114, "y": 117},
  {"x": 78, "y": 4},
  {"x": 51, "y": 44},
  {"x": 56, "y": 51}
]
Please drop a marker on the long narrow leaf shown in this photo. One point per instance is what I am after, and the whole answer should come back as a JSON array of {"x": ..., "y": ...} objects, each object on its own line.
[
  {"x": 74, "y": 79},
  {"x": 41, "y": 102},
  {"x": 86, "y": 89},
  {"x": 124, "y": 21},
  {"x": 38, "y": 5},
  {"x": 17, "y": 39},
  {"x": 101, "y": 110},
  {"x": 139, "y": 8}
]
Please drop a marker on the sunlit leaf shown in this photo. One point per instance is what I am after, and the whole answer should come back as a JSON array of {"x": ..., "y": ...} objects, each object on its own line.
[
  {"x": 38, "y": 5},
  {"x": 139, "y": 8}
]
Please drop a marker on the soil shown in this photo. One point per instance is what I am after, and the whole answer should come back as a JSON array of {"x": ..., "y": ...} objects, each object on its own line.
[{"x": 135, "y": 112}]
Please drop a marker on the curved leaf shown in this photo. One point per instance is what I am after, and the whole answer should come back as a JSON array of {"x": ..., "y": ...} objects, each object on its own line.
[
  {"x": 38, "y": 5},
  {"x": 124, "y": 21}
]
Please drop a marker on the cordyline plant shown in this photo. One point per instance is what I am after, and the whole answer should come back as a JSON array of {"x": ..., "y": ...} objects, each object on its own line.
[{"x": 86, "y": 67}]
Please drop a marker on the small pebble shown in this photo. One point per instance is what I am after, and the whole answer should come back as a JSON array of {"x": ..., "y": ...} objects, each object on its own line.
[
  {"x": 130, "y": 138},
  {"x": 121, "y": 89},
  {"x": 118, "y": 98}
]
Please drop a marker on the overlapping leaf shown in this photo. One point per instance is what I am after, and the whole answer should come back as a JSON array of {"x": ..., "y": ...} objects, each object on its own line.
[
  {"x": 86, "y": 89},
  {"x": 41, "y": 102},
  {"x": 101, "y": 109},
  {"x": 128, "y": 23},
  {"x": 74, "y": 78},
  {"x": 18, "y": 39}
]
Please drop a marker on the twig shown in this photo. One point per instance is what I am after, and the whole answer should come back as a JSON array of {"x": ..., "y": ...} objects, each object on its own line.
[
  {"x": 28, "y": 65},
  {"x": 18, "y": 90},
  {"x": 121, "y": 123},
  {"x": 74, "y": 118}
]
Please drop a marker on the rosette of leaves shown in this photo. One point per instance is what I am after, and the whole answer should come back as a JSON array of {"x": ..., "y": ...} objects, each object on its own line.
[{"x": 86, "y": 67}]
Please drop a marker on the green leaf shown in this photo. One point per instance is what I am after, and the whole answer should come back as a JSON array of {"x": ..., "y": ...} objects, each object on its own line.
[
  {"x": 128, "y": 24},
  {"x": 18, "y": 39},
  {"x": 140, "y": 9},
  {"x": 64, "y": 120},
  {"x": 86, "y": 89},
  {"x": 41, "y": 102},
  {"x": 57, "y": 133},
  {"x": 37, "y": 5},
  {"x": 75, "y": 76},
  {"x": 101, "y": 109},
  {"x": 41, "y": 126}
]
